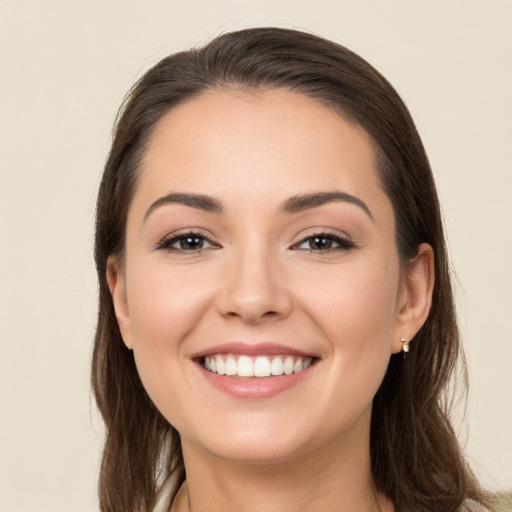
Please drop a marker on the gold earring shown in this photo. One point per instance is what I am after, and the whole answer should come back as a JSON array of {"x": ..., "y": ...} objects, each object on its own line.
[{"x": 405, "y": 346}]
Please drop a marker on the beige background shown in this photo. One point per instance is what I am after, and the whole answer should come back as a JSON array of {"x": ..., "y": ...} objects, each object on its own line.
[{"x": 64, "y": 68}]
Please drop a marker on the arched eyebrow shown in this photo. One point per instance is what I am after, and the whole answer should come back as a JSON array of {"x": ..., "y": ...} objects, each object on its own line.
[
  {"x": 292, "y": 205},
  {"x": 303, "y": 202},
  {"x": 198, "y": 201}
]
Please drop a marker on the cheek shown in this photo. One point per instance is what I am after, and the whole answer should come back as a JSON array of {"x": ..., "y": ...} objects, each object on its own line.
[
  {"x": 355, "y": 306},
  {"x": 164, "y": 305},
  {"x": 164, "y": 308},
  {"x": 356, "y": 311}
]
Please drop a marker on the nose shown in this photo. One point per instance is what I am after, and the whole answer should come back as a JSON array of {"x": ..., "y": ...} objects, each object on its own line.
[{"x": 254, "y": 289}]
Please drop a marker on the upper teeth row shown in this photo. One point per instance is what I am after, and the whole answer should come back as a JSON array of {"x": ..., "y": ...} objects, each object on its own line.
[{"x": 261, "y": 366}]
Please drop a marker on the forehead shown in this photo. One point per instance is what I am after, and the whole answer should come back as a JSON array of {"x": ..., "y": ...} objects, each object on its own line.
[{"x": 269, "y": 144}]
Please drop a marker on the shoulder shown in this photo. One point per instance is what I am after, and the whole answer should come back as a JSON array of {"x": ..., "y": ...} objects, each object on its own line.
[
  {"x": 473, "y": 506},
  {"x": 497, "y": 506},
  {"x": 502, "y": 502}
]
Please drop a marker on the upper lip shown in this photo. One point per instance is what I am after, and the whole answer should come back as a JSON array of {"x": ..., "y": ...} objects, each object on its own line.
[{"x": 251, "y": 349}]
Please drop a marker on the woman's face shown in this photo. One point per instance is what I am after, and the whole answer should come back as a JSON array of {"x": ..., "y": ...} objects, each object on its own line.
[{"x": 259, "y": 239}]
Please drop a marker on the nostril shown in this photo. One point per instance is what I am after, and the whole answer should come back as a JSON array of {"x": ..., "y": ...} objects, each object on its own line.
[{"x": 266, "y": 314}]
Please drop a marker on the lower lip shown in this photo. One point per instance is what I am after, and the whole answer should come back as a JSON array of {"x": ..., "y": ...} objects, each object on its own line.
[{"x": 254, "y": 387}]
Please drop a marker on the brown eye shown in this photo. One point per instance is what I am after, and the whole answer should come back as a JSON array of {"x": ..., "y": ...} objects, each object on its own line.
[
  {"x": 186, "y": 242},
  {"x": 320, "y": 243},
  {"x": 324, "y": 242},
  {"x": 190, "y": 243}
]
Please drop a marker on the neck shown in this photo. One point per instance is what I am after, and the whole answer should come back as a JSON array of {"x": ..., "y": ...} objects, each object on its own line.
[{"x": 334, "y": 478}]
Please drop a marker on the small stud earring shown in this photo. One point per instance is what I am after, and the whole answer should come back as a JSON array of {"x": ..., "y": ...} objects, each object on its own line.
[{"x": 405, "y": 346}]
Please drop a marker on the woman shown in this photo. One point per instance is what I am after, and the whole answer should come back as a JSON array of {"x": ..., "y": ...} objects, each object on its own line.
[{"x": 276, "y": 326}]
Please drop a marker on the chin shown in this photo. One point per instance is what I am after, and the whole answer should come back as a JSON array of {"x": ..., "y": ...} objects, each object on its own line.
[
  {"x": 256, "y": 451},
  {"x": 252, "y": 440}
]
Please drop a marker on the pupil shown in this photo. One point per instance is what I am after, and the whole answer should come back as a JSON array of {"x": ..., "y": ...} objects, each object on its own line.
[
  {"x": 191, "y": 242},
  {"x": 320, "y": 242}
]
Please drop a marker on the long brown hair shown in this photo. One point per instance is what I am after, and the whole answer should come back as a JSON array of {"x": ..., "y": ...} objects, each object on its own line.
[{"x": 415, "y": 456}]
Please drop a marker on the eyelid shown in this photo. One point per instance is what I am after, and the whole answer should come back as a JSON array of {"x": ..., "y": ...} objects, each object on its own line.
[
  {"x": 166, "y": 242},
  {"x": 345, "y": 242}
]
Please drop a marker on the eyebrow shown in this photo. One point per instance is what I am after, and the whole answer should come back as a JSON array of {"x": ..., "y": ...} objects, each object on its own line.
[
  {"x": 198, "y": 201},
  {"x": 303, "y": 202},
  {"x": 295, "y": 204}
]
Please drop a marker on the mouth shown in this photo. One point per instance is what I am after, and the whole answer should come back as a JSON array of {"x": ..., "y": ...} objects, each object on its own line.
[
  {"x": 258, "y": 371},
  {"x": 261, "y": 366}
]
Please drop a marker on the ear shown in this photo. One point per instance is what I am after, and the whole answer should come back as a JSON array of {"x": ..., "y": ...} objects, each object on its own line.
[
  {"x": 415, "y": 296},
  {"x": 117, "y": 285}
]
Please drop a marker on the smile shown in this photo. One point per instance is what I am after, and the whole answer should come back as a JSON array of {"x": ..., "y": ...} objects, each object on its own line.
[
  {"x": 256, "y": 366},
  {"x": 254, "y": 371}
]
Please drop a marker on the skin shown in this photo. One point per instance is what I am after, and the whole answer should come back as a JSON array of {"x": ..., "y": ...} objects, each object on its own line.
[{"x": 260, "y": 278}]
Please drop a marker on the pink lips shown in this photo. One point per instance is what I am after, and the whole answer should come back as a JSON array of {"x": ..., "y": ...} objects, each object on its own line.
[
  {"x": 252, "y": 387},
  {"x": 247, "y": 349}
]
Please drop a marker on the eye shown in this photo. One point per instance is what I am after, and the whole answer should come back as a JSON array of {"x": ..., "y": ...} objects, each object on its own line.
[
  {"x": 324, "y": 242},
  {"x": 186, "y": 242}
]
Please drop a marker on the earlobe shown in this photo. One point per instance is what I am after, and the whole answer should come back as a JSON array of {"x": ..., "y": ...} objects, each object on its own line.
[
  {"x": 117, "y": 286},
  {"x": 415, "y": 298}
]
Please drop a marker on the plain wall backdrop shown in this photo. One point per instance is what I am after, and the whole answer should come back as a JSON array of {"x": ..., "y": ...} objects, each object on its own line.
[{"x": 64, "y": 69}]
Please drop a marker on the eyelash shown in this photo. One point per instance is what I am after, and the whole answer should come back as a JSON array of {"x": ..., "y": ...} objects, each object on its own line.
[
  {"x": 167, "y": 243},
  {"x": 344, "y": 244}
]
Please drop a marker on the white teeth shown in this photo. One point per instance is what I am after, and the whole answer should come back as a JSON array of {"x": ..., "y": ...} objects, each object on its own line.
[
  {"x": 260, "y": 366},
  {"x": 220, "y": 365},
  {"x": 231, "y": 366},
  {"x": 245, "y": 367},
  {"x": 288, "y": 365},
  {"x": 276, "y": 367}
]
